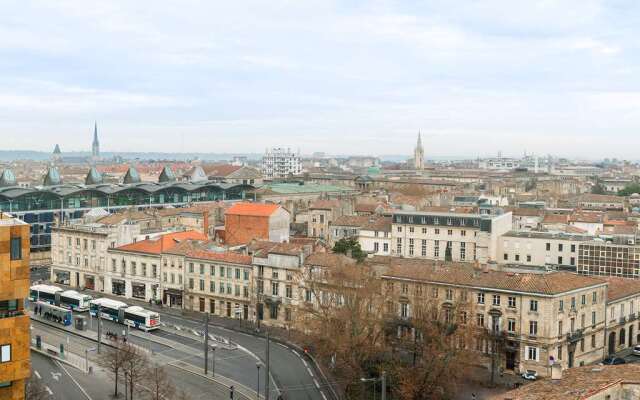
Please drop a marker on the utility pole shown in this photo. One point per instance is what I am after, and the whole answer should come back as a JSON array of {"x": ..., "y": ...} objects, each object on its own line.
[
  {"x": 99, "y": 329},
  {"x": 384, "y": 385},
  {"x": 266, "y": 371},
  {"x": 206, "y": 344}
]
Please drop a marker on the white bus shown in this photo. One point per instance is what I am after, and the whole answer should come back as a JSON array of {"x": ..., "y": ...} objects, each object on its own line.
[
  {"x": 46, "y": 293},
  {"x": 142, "y": 319},
  {"x": 74, "y": 301},
  {"x": 109, "y": 309}
]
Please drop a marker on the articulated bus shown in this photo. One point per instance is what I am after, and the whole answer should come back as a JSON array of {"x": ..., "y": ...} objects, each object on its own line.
[
  {"x": 45, "y": 293},
  {"x": 54, "y": 313},
  {"x": 119, "y": 312},
  {"x": 69, "y": 299},
  {"x": 75, "y": 301},
  {"x": 142, "y": 319},
  {"x": 112, "y": 310}
]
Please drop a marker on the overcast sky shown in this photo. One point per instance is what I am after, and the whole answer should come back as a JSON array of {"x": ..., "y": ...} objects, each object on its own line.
[{"x": 360, "y": 77}]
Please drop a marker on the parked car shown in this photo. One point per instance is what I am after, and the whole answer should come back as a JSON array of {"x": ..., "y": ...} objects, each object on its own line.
[
  {"x": 636, "y": 351},
  {"x": 530, "y": 375},
  {"x": 613, "y": 361}
]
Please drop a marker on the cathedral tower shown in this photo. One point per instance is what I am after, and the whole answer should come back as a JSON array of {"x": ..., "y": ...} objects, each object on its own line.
[{"x": 418, "y": 154}]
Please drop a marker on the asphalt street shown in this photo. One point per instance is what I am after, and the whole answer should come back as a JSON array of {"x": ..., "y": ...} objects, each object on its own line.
[{"x": 57, "y": 382}]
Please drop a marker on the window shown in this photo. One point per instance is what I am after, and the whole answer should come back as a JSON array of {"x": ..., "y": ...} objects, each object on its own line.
[
  {"x": 201, "y": 269},
  {"x": 560, "y": 352},
  {"x": 411, "y": 229},
  {"x": 399, "y": 229},
  {"x": 559, "y": 246},
  {"x": 480, "y": 319},
  {"x": 246, "y": 275},
  {"x": 533, "y": 305},
  {"x": 583, "y": 299},
  {"x": 405, "y": 288},
  {"x": 436, "y": 231},
  {"x": 573, "y": 303},
  {"x": 505, "y": 256},
  {"x": 548, "y": 246},
  {"x": 434, "y": 293},
  {"x": 496, "y": 300},
  {"x": 424, "y": 231},
  {"x": 399, "y": 246},
  {"x": 5, "y": 353},
  {"x": 517, "y": 257},
  {"x": 237, "y": 273},
  {"x": 385, "y": 247},
  {"x": 16, "y": 248},
  {"x": 463, "y": 251},
  {"x": 573, "y": 248},
  {"x": 424, "y": 248},
  {"x": 449, "y": 294},
  {"x": 288, "y": 291},
  {"x": 593, "y": 341},
  {"x": 463, "y": 233},
  {"x": 480, "y": 297},
  {"x": 436, "y": 248},
  {"x": 528, "y": 257},
  {"x": 190, "y": 283},
  {"x": 274, "y": 288},
  {"x": 221, "y": 271},
  {"x": 559, "y": 328},
  {"x": 511, "y": 325},
  {"x": 560, "y": 260},
  {"x": 531, "y": 353},
  {"x": 594, "y": 297},
  {"x": 376, "y": 247},
  {"x": 593, "y": 318},
  {"x": 212, "y": 271},
  {"x": 512, "y": 302},
  {"x": 410, "y": 247},
  {"x": 450, "y": 232},
  {"x": 212, "y": 287},
  {"x": 202, "y": 285},
  {"x": 274, "y": 275},
  {"x": 533, "y": 328}
]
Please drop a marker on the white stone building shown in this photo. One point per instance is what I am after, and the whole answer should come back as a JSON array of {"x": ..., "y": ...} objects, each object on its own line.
[{"x": 280, "y": 163}]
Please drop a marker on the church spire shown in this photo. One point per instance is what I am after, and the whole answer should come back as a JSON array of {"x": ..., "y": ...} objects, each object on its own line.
[
  {"x": 95, "y": 146},
  {"x": 418, "y": 154}
]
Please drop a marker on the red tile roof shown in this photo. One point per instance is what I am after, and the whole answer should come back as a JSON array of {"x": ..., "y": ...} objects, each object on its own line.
[
  {"x": 620, "y": 288},
  {"x": 252, "y": 209},
  {"x": 202, "y": 251},
  {"x": 162, "y": 243}
]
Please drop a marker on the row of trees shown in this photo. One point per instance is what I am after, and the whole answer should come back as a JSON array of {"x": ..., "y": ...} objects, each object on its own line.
[
  {"x": 354, "y": 327},
  {"x": 127, "y": 363}
]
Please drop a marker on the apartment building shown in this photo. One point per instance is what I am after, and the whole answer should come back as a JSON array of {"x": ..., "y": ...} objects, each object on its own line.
[
  {"x": 540, "y": 248},
  {"x": 601, "y": 202},
  {"x": 529, "y": 319},
  {"x": 216, "y": 281},
  {"x": 79, "y": 251},
  {"x": 141, "y": 270},
  {"x": 622, "y": 314},
  {"x": 280, "y": 163},
  {"x": 448, "y": 236},
  {"x": 322, "y": 213},
  {"x": 598, "y": 257},
  {"x": 15, "y": 365},
  {"x": 277, "y": 269},
  {"x": 375, "y": 236},
  {"x": 347, "y": 226}
]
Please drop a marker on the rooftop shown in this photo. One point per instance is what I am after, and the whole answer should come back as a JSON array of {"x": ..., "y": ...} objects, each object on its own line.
[
  {"x": 579, "y": 383},
  {"x": 162, "y": 243},
  {"x": 551, "y": 283},
  {"x": 252, "y": 209}
]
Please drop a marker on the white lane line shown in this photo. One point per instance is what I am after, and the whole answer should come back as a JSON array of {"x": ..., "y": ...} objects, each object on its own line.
[
  {"x": 48, "y": 390},
  {"x": 84, "y": 392},
  {"x": 316, "y": 383},
  {"x": 304, "y": 362},
  {"x": 282, "y": 345},
  {"x": 309, "y": 370},
  {"x": 323, "y": 396},
  {"x": 295, "y": 352},
  {"x": 37, "y": 374}
]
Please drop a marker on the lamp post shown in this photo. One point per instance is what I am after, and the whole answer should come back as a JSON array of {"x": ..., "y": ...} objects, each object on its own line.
[
  {"x": 258, "y": 365},
  {"x": 86, "y": 357},
  {"x": 213, "y": 360}
]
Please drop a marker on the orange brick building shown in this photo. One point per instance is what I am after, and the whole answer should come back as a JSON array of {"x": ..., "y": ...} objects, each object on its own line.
[
  {"x": 14, "y": 323},
  {"x": 244, "y": 222}
]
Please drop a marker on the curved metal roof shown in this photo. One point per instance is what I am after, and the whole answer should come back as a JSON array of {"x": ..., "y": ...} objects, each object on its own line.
[
  {"x": 14, "y": 192},
  {"x": 7, "y": 178}
]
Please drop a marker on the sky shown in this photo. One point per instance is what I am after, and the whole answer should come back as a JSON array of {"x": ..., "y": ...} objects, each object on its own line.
[{"x": 344, "y": 77}]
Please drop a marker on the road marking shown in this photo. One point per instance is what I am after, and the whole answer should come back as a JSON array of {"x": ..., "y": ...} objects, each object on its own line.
[
  {"x": 56, "y": 375},
  {"x": 37, "y": 374},
  {"x": 282, "y": 345},
  {"x": 74, "y": 381},
  {"x": 304, "y": 362},
  {"x": 316, "y": 383},
  {"x": 323, "y": 396},
  {"x": 48, "y": 390},
  {"x": 295, "y": 352},
  {"x": 309, "y": 370}
]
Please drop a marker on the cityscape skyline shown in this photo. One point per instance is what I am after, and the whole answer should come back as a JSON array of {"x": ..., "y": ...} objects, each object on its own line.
[{"x": 323, "y": 75}]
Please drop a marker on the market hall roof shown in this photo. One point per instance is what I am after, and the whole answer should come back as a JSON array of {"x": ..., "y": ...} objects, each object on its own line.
[{"x": 62, "y": 190}]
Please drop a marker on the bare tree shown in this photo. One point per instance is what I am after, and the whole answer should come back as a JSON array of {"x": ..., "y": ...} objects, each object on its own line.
[
  {"x": 182, "y": 395},
  {"x": 159, "y": 384},
  {"x": 133, "y": 366},
  {"x": 35, "y": 390},
  {"x": 113, "y": 360}
]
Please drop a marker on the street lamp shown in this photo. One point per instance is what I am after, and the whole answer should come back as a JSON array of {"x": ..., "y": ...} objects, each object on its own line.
[
  {"x": 86, "y": 357},
  {"x": 258, "y": 365}
]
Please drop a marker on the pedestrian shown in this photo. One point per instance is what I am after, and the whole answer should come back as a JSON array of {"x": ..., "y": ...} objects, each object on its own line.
[{"x": 473, "y": 396}]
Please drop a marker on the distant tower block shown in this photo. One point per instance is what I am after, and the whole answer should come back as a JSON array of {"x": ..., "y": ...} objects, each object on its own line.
[
  {"x": 418, "y": 154},
  {"x": 95, "y": 146}
]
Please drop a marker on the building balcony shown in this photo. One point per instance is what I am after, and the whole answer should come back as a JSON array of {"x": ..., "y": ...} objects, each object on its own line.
[
  {"x": 633, "y": 317},
  {"x": 269, "y": 299},
  {"x": 575, "y": 335},
  {"x": 622, "y": 320}
]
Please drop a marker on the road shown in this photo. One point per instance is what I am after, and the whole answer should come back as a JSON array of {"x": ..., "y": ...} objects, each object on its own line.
[
  {"x": 57, "y": 381},
  {"x": 292, "y": 375}
]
